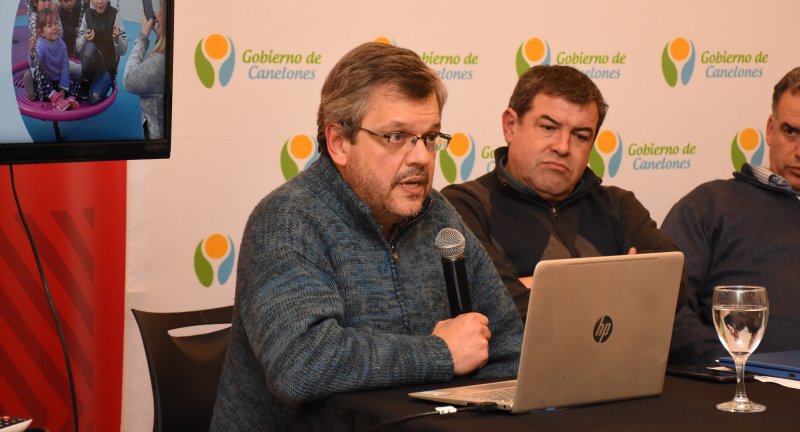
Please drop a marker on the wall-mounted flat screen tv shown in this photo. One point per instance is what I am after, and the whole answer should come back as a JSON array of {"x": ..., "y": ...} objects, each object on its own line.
[{"x": 85, "y": 80}]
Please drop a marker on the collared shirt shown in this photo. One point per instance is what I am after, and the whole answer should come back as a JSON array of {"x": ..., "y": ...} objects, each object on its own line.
[{"x": 769, "y": 178}]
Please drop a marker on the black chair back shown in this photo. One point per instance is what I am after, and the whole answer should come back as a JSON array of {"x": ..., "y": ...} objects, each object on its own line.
[{"x": 184, "y": 370}]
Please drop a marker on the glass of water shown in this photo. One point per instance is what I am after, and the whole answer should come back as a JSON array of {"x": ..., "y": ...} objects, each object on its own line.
[{"x": 740, "y": 317}]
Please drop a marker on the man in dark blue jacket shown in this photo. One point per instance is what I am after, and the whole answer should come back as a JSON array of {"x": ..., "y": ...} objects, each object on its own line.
[{"x": 744, "y": 231}]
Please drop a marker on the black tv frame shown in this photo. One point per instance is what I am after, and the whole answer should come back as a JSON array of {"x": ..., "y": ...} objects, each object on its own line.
[{"x": 106, "y": 150}]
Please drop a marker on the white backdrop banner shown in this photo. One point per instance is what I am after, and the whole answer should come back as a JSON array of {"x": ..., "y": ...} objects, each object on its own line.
[{"x": 689, "y": 86}]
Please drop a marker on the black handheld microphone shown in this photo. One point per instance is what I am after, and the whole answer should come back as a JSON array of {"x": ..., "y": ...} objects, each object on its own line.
[{"x": 450, "y": 244}]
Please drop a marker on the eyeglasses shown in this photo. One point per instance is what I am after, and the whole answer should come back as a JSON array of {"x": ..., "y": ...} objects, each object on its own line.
[{"x": 435, "y": 141}]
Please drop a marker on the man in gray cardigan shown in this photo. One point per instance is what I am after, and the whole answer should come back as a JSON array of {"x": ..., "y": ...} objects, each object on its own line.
[
  {"x": 339, "y": 284},
  {"x": 744, "y": 231}
]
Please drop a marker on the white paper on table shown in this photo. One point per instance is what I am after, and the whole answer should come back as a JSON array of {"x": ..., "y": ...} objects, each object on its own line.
[{"x": 782, "y": 381}]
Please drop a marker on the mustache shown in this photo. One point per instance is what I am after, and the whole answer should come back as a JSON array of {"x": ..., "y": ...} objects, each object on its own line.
[{"x": 414, "y": 171}]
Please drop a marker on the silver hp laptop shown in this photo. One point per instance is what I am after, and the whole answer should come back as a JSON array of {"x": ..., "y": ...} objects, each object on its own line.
[{"x": 598, "y": 329}]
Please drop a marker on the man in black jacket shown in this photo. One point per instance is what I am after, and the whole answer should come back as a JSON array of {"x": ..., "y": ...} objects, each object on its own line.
[{"x": 542, "y": 201}]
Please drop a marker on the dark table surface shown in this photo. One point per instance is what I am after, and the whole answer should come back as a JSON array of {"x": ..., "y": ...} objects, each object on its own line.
[{"x": 684, "y": 405}]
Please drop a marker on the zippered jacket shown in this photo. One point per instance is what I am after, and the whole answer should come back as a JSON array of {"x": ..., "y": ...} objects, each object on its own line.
[
  {"x": 518, "y": 228},
  {"x": 325, "y": 304}
]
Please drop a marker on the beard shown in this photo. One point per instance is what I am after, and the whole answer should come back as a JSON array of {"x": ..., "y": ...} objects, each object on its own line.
[{"x": 384, "y": 206}]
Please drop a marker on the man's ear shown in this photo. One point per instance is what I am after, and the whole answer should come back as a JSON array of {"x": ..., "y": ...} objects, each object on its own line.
[
  {"x": 509, "y": 120},
  {"x": 336, "y": 144},
  {"x": 770, "y": 130}
]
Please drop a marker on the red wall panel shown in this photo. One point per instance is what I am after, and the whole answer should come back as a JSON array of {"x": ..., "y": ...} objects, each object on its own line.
[{"x": 76, "y": 214}]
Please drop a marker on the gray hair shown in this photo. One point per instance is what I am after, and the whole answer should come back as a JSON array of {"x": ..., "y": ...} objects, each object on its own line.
[
  {"x": 790, "y": 82},
  {"x": 345, "y": 94}
]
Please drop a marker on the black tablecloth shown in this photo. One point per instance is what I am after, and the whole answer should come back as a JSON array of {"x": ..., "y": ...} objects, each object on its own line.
[{"x": 684, "y": 405}]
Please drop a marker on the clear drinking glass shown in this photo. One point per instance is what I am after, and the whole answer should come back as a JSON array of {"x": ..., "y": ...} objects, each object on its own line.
[{"x": 740, "y": 317}]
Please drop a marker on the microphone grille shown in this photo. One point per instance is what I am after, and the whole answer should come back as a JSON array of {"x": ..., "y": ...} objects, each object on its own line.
[{"x": 450, "y": 243}]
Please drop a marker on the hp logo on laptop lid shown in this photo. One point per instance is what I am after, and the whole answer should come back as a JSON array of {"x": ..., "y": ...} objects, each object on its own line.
[{"x": 602, "y": 329}]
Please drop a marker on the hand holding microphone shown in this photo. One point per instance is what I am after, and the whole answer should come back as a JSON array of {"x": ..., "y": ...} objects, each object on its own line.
[
  {"x": 467, "y": 333},
  {"x": 467, "y": 337}
]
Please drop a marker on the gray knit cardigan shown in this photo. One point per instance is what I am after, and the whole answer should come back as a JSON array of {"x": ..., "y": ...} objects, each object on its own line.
[{"x": 324, "y": 304}]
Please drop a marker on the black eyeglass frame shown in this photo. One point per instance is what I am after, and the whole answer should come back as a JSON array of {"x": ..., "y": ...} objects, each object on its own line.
[{"x": 409, "y": 138}]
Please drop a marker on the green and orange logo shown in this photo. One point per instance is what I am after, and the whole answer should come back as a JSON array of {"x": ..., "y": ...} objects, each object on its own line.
[
  {"x": 606, "y": 153},
  {"x": 533, "y": 52},
  {"x": 214, "y": 256},
  {"x": 458, "y": 157},
  {"x": 748, "y": 146},
  {"x": 298, "y": 153},
  {"x": 677, "y": 61},
  {"x": 214, "y": 59},
  {"x": 385, "y": 40}
]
